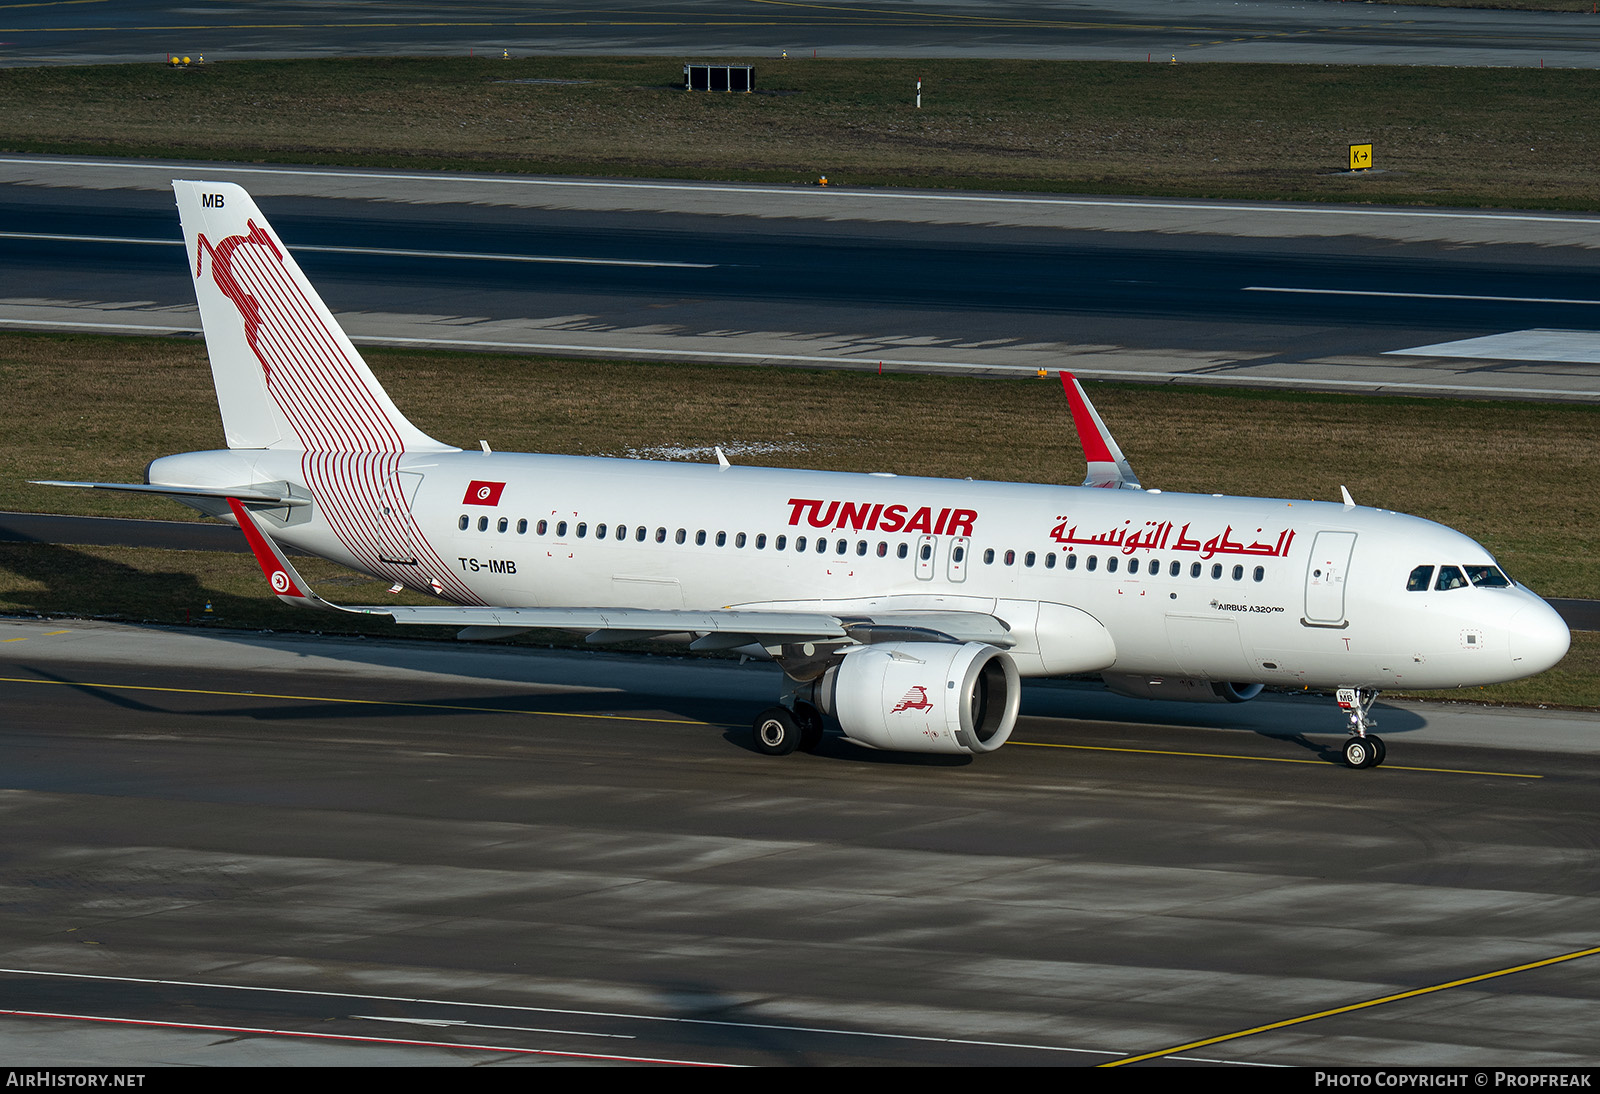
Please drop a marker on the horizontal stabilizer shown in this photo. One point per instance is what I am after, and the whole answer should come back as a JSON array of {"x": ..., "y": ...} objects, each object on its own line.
[{"x": 256, "y": 498}]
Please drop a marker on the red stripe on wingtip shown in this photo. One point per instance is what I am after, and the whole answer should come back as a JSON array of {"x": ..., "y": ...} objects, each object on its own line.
[
  {"x": 1095, "y": 449},
  {"x": 277, "y": 576}
]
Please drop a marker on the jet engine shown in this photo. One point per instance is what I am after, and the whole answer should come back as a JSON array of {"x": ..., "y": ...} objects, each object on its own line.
[
  {"x": 923, "y": 696},
  {"x": 1183, "y": 689}
]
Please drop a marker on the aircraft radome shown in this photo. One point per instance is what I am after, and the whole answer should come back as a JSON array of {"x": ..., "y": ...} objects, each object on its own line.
[{"x": 903, "y": 611}]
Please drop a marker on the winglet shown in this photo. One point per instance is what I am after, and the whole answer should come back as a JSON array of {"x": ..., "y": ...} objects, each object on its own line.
[
  {"x": 1108, "y": 467},
  {"x": 285, "y": 580}
]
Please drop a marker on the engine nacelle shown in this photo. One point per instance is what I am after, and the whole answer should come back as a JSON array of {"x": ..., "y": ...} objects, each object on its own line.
[
  {"x": 1182, "y": 689},
  {"x": 924, "y": 696}
]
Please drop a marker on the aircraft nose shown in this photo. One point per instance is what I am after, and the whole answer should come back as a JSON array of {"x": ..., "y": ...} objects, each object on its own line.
[{"x": 1539, "y": 638}]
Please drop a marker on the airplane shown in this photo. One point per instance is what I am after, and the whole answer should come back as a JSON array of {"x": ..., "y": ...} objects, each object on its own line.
[{"x": 903, "y": 611}]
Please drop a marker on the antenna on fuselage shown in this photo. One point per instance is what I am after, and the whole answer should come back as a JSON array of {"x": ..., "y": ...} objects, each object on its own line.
[{"x": 1108, "y": 467}]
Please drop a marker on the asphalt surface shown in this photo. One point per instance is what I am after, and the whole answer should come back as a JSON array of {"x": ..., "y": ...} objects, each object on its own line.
[
  {"x": 1133, "y": 30},
  {"x": 230, "y": 848},
  {"x": 1337, "y": 298}
]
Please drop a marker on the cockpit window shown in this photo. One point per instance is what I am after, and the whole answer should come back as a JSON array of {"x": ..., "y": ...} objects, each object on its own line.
[
  {"x": 1419, "y": 580},
  {"x": 1487, "y": 577},
  {"x": 1450, "y": 577}
]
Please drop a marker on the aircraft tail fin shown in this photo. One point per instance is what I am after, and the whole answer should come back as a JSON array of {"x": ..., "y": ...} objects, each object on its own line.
[
  {"x": 1108, "y": 467},
  {"x": 286, "y": 374}
]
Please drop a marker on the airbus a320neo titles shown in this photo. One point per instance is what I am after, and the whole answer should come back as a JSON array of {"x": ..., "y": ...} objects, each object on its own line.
[{"x": 903, "y": 611}]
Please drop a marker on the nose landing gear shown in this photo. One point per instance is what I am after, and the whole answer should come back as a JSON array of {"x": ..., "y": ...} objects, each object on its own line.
[{"x": 1364, "y": 748}]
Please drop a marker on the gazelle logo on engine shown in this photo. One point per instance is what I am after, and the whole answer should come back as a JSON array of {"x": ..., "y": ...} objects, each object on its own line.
[{"x": 916, "y": 699}]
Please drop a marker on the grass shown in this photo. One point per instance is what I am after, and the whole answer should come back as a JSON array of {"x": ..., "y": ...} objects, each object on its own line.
[
  {"x": 1466, "y": 136},
  {"x": 1510, "y": 474}
]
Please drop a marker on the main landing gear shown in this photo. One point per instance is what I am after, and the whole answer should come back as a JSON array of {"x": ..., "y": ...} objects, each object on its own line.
[
  {"x": 1364, "y": 748},
  {"x": 779, "y": 730}
]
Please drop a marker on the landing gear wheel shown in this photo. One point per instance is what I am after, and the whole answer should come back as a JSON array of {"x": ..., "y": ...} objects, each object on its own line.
[
  {"x": 1377, "y": 743},
  {"x": 810, "y": 721},
  {"x": 1363, "y": 752},
  {"x": 777, "y": 732}
]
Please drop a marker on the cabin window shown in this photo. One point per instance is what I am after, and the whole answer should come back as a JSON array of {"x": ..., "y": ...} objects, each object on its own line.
[
  {"x": 522, "y": 526},
  {"x": 779, "y": 543},
  {"x": 541, "y": 527},
  {"x": 722, "y": 539},
  {"x": 483, "y": 524},
  {"x": 1175, "y": 568},
  {"x": 958, "y": 555},
  {"x": 561, "y": 529},
  {"x": 1487, "y": 577},
  {"x": 988, "y": 556},
  {"x": 1094, "y": 560},
  {"x": 822, "y": 545},
  {"x": 1050, "y": 562},
  {"x": 1238, "y": 573},
  {"x": 1450, "y": 577},
  {"x": 463, "y": 522},
  {"x": 841, "y": 547},
  {"x": 925, "y": 552},
  {"x": 700, "y": 538},
  {"x": 1260, "y": 573},
  {"x": 502, "y": 524},
  {"x": 799, "y": 543},
  {"x": 1194, "y": 569},
  {"x": 1216, "y": 571},
  {"x": 681, "y": 536},
  {"x": 1111, "y": 564},
  {"x": 1028, "y": 559},
  {"x": 661, "y": 535},
  {"x": 761, "y": 541},
  {"x": 599, "y": 531},
  {"x": 883, "y": 549},
  {"x": 1011, "y": 558},
  {"x": 583, "y": 529},
  {"x": 861, "y": 547},
  {"x": 1133, "y": 565},
  {"x": 738, "y": 540},
  {"x": 1072, "y": 562},
  {"x": 901, "y": 551}
]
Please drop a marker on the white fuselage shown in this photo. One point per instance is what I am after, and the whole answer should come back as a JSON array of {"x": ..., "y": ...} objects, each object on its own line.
[{"x": 1198, "y": 586}]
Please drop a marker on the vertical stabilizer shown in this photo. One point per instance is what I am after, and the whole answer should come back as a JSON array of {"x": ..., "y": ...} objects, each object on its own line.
[{"x": 286, "y": 375}]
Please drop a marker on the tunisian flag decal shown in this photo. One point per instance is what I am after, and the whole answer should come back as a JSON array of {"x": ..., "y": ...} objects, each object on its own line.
[{"x": 483, "y": 493}]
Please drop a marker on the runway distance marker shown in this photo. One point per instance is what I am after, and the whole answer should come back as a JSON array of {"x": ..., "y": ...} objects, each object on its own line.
[
  {"x": 1365, "y": 1004},
  {"x": 1270, "y": 759},
  {"x": 364, "y": 702}
]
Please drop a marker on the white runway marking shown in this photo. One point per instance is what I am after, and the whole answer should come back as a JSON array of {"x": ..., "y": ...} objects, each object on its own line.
[
  {"x": 1421, "y": 295},
  {"x": 1539, "y": 344},
  {"x": 388, "y": 252}
]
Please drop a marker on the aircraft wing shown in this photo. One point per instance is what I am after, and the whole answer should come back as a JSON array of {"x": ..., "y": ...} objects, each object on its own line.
[{"x": 718, "y": 629}]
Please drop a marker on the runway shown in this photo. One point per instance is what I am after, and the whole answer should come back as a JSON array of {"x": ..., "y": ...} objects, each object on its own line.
[
  {"x": 71, "y": 32},
  {"x": 1427, "y": 302},
  {"x": 241, "y": 848}
]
